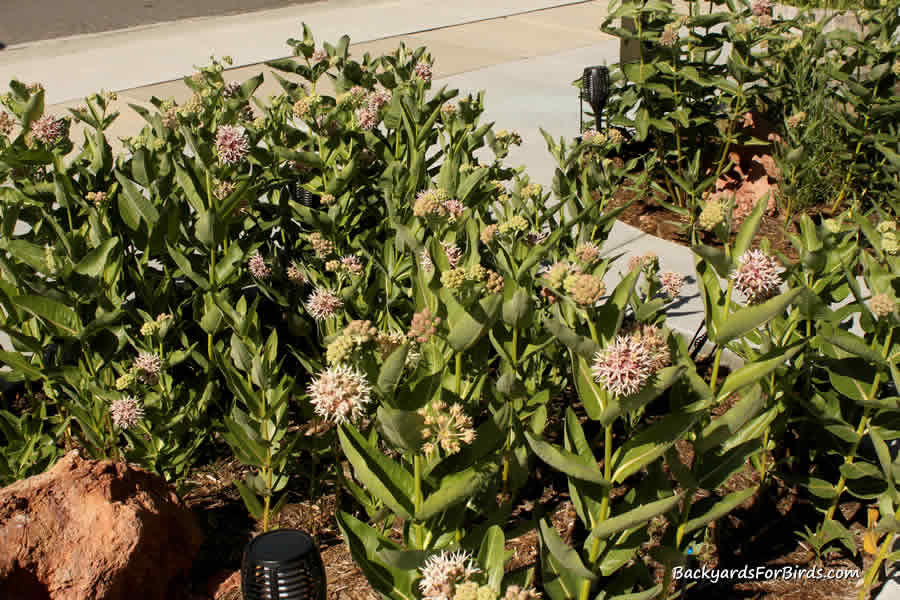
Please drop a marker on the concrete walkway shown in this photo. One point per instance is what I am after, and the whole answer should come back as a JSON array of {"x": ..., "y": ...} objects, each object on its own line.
[{"x": 525, "y": 53}]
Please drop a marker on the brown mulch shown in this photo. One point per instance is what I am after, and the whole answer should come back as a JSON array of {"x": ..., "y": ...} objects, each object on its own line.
[{"x": 651, "y": 217}]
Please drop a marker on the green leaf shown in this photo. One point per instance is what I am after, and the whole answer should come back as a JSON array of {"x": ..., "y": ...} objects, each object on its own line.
[
  {"x": 194, "y": 198},
  {"x": 636, "y": 516},
  {"x": 205, "y": 229},
  {"x": 19, "y": 363},
  {"x": 456, "y": 488},
  {"x": 755, "y": 371},
  {"x": 571, "y": 464},
  {"x": 407, "y": 560},
  {"x": 726, "y": 425},
  {"x": 565, "y": 555},
  {"x": 64, "y": 319},
  {"x": 610, "y": 315},
  {"x": 96, "y": 260},
  {"x": 491, "y": 556},
  {"x": 518, "y": 309},
  {"x": 591, "y": 394},
  {"x": 583, "y": 346},
  {"x": 653, "y": 592},
  {"x": 749, "y": 318},
  {"x": 383, "y": 477},
  {"x": 854, "y": 345},
  {"x": 254, "y": 507},
  {"x": 651, "y": 443},
  {"x": 364, "y": 544},
  {"x": 28, "y": 253},
  {"x": 750, "y": 227},
  {"x": 467, "y": 327},
  {"x": 821, "y": 488},
  {"x": 392, "y": 371},
  {"x": 227, "y": 264},
  {"x": 244, "y": 439},
  {"x": 402, "y": 428},
  {"x": 884, "y": 458},
  {"x": 719, "y": 509},
  {"x": 185, "y": 266},
  {"x": 133, "y": 206}
]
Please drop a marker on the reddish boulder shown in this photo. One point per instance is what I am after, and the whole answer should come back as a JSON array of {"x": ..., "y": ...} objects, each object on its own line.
[{"x": 92, "y": 530}]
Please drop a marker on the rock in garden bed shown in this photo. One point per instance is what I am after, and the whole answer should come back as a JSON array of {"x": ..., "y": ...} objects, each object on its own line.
[{"x": 90, "y": 529}]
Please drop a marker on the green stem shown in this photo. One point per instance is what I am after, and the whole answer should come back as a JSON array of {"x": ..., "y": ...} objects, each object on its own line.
[
  {"x": 860, "y": 429},
  {"x": 713, "y": 384},
  {"x": 846, "y": 183},
  {"x": 515, "y": 347},
  {"x": 594, "y": 552},
  {"x": 418, "y": 501},
  {"x": 876, "y": 565},
  {"x": 458, "y": 373}
]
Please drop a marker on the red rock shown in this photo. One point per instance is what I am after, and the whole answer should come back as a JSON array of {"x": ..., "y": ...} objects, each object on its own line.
[{"x": 92, "y": 530}]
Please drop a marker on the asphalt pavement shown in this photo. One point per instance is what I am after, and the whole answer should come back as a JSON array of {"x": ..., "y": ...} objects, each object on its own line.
[{"x": 33, "y": 20}]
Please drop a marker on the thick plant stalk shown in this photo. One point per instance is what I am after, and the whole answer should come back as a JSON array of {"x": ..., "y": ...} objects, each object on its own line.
[
  {"x": 861, "y": 428},
  {"x": 876, "y": 565},
  {"x": 713, "y": 384}
]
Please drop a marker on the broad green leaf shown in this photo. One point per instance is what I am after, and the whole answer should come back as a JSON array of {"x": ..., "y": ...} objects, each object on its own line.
[
  {"x": 755, "y": 371},
  {"x": 254, "y": 507},
  {"x": 518, "y": 309},
  {"x": 583, "y": 346},
  {"x": 185, "y": 266},
  {"x": 364, "y": 543},
  {"x": 64, "y": 319},
  {"x": 244, "y": 439},
  {"x": 592, "y": 395},
  {"x": 750, "y": 227},
  {"x": 491, "y": 556},
  {"x": 636, "y": 516},
  {"x": 720, "y": 428},
  {"x": 565, "y": 555},
  {"x": 610, "y": 315},
  {"x": 133, "y": 206},
  {"x": 392, "y": 371},
  {"x": 467, "y": 327},
  {"x": 651, "y": 443},
  {"x": 854, "y": 345},
  {"x": 402, "y": 428},
  {"x": 567, "y": 462},
  {"x": 749, "y": 318},
  {"x": 28, "y": 253},
  {"x": 383, "y": 477},
  {"x": 96, "y": 260},
  {"x": 19, "y": 363},
  {"x": 719, "y": 509},
  {"x": 821, "y": 488},
  {"x": 456, "y": 488}
]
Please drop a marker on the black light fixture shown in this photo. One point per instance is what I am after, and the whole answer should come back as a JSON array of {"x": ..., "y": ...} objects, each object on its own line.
[
  {"x": 594, "y": 89},
  {"x": 303, "y": 196},
  {"x": 283, "y": 564}
]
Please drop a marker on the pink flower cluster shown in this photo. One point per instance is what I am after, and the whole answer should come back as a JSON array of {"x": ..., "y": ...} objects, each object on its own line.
[
  {"x": 48, "y": 130},
  {"x": 625, "y": 365},
  {"x": 323, "y": 304},
  {"x": 232, "y": 144},
  {"x": 340, "y": 394},
  {"x": 756, "y": 276}
]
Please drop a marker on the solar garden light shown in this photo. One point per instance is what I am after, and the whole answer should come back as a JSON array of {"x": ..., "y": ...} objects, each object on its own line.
[
  {"x": 283, "y": 564},
  {"x": 303, "y": 196},
  {"x": 594, "y": 89}
]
